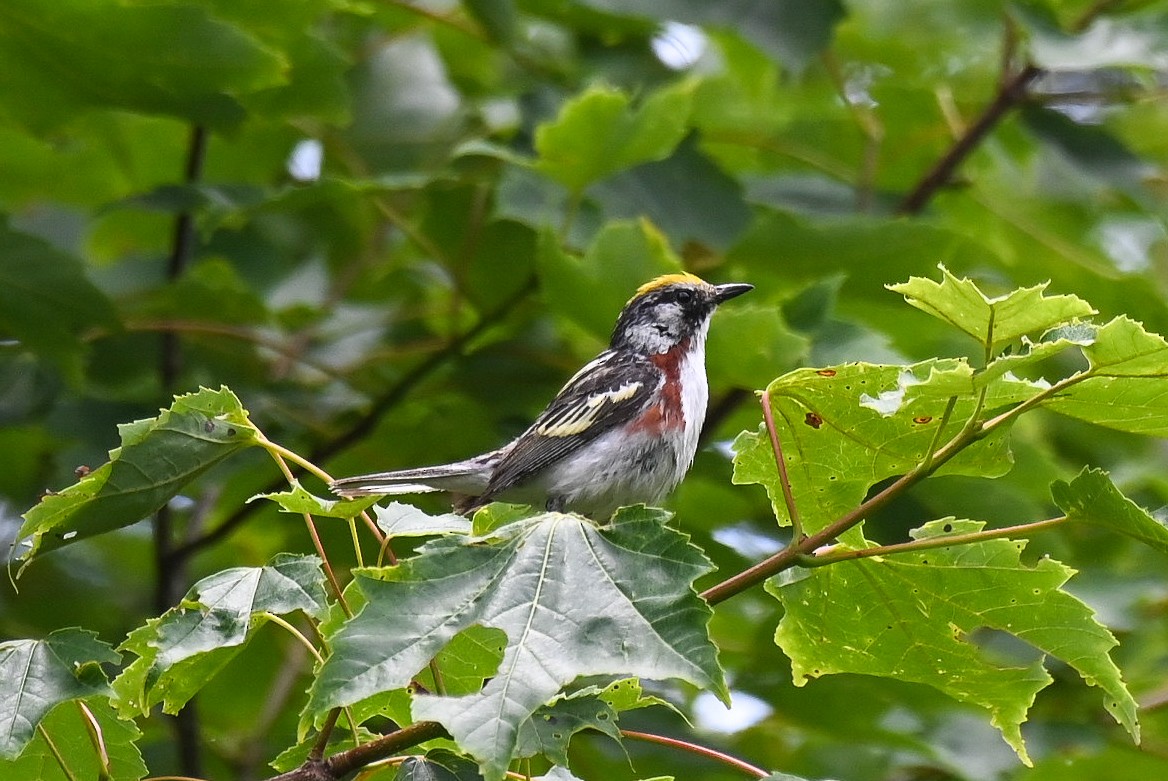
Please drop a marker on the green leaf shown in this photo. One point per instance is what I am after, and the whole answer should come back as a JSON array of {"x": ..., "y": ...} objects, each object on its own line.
[
  {"x": 57, "y": 59},
  {"x": 993, "y": 322},
  {"x": 1123, "y": 348},
  {"x": 158, "y": 457},
  {"x": 37, "y": 675},
  {"x": 405, "y": 520},
  {"x": 573, "y": 599},
  {"x": 438, "y": 765},
  {"x": 180, "y": 650},
  {"x": 69, "y": 730},
  {"x": 45, "y": 299},
  {"x": 1092, "y": 498},
  {"x": 845, "y": 428},
  {"x": 72, "y": 743},
  {"x": 550, "y": 729},
  {"x": 1123, "y": 388},
  {"x": 712, "y": 213},
  {"x": 599, "y": 133},
  {"x": 748, "y": 343},
  {"x": 916, "y": 617},
  {"x": 299, "y": 501},
  {"x": 628, "y": 695},
  {"x": 591, "y": 290},
  {"x": 468, "y": 660}
]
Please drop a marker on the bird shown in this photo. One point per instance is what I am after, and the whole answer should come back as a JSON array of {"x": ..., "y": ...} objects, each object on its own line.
[{"x": 623, "y": 430}]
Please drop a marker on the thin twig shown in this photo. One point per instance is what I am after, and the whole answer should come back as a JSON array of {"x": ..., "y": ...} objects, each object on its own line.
[
  {"x": 781, "y": 463},
  {"x": 831, "y": 556},
  {"x": 694, "y": 748},
  {"x": 1013, "y": 92}
]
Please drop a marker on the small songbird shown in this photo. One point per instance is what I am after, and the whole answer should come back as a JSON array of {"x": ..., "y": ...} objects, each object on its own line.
[{"x": 623, "y": 430}]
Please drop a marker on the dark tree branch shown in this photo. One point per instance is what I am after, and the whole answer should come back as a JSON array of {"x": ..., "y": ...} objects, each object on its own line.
[
  {"x": 343, "y": 763},
  {"x": 1011, "y": 93},
  {"x": 170, "y": 570},
  {"x": 368, "y": 421}
]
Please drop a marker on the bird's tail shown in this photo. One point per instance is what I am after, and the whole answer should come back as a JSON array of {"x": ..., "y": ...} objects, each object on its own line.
[{"x": 468, "y": 477}]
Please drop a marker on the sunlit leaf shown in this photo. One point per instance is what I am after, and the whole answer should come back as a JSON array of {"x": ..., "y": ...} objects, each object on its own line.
[
  {"x": 405, "y": 520},
  {"x": 1092, "y": 498},
  {"x": 923, "y": 616},
  {"x": 993, "y": 322},
  {"x": 299, "y": 501},
  {"x": 845, "y": 428}
]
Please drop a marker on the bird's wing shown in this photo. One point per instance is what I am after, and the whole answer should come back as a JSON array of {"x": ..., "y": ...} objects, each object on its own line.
[{"x": 610, "y": 390}]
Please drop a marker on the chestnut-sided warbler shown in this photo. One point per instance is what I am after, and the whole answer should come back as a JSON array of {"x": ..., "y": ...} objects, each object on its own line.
[{"x": 623, "y": 430}]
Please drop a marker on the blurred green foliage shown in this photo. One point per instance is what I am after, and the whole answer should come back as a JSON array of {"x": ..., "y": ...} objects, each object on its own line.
[{"x": 401, "y": 225}]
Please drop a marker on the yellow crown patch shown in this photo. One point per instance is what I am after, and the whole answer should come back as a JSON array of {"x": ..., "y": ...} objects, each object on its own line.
[{"x": 668, "y": 279}]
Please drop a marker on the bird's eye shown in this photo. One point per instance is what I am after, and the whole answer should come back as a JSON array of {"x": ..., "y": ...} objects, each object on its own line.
[{"x": 684, "y": 296}]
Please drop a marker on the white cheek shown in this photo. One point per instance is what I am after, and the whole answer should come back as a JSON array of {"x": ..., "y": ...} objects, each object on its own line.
[{"x": 696, "y": 393}]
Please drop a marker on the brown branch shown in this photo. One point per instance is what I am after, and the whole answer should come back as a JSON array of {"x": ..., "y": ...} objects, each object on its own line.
[
  {"x": 694, "y": 748},
  {"x": 1011, "y": 93},
  {"x": 349, "y": 761}
]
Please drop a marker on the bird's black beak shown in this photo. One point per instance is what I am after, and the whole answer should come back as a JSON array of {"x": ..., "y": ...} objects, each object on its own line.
[{"x": 730, "y": 290}]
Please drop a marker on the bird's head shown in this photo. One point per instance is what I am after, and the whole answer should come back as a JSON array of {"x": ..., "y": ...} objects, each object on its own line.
[{"x": 669, "y": 310}]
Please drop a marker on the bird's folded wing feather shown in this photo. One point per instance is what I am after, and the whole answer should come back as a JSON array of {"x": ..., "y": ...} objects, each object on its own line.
[{"x": 613, "y": 389}]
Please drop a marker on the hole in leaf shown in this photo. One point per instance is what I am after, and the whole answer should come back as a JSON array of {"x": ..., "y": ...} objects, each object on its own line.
[{"x": 1003, "y": 648}]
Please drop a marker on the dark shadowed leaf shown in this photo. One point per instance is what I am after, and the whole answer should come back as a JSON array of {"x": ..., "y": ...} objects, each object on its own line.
[
  {"x": 158, "y": 457},
  {"x": 61, "y": 58},
  {"x": 183, "y": 648},
  {"x": 46, "y": 301},
  {"x": 37, "y": 675},
  {"x": 68, "y": 727}
]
